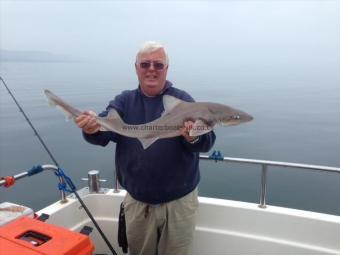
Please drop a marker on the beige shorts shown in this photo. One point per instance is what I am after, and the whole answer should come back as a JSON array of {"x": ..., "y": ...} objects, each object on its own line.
[{"x": 164, "y": 229}]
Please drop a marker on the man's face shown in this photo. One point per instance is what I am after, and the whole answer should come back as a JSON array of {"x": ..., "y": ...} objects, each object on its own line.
[{"x": 151, "y": 70}]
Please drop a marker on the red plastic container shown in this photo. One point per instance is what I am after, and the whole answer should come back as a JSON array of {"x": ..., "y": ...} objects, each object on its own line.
[{"x": 33, "y": 237}]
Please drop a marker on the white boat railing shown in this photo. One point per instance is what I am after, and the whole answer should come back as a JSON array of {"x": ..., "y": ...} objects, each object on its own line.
[
  {"x": 265, "y": 164},
  {"x": 215, "y": 156}
]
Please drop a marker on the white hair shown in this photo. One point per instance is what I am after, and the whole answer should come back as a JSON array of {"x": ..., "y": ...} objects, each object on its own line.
[{"x": 151, "y": 46}]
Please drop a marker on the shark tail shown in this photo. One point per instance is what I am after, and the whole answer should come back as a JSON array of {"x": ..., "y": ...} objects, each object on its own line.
[{"x": 54, "y": 101}]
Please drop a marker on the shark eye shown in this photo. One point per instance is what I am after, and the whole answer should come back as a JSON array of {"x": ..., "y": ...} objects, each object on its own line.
[{"x": 236, "y": 117}]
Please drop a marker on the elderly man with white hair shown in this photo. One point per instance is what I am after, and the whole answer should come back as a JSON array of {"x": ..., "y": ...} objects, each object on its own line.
[{"x": 161, "y": 181}]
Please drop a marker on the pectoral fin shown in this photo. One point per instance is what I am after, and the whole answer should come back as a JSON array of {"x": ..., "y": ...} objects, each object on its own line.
[
  {"x": 199, "y": 128},
  {"x": 146, "y": 142}
]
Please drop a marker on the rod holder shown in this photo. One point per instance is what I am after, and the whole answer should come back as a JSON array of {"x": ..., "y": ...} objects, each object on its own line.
[{"x": 93, "y": 180}]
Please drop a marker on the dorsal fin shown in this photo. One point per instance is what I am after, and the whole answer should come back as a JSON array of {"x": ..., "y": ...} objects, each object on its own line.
[
  {"x": 113, "y": 119},
  {"x": 169, "y": 102},
  {"x": 113, "y": 114}
]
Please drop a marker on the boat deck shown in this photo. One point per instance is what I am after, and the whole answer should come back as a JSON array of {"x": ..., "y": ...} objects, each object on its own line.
[{"x": 223, "y": 226}]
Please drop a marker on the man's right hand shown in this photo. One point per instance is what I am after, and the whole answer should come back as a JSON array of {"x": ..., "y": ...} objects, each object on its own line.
[{"x": 87, "y": 122}]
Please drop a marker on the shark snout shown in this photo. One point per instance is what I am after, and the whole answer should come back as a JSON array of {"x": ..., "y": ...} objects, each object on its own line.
[
  {"x": 247, "y": 117},
  {"x": 237, "y": 118}
]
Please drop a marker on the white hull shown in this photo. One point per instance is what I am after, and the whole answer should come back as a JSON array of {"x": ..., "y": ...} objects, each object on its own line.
[{"x": 223, "y": 226}]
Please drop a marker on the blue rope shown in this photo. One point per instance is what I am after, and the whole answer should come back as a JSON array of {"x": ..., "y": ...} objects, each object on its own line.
[
  {"x": 63, "y": 186},
  {"x": 35, "y": 170},
  {"x": 217, "y": 156},
  {"x": 68, "y": 182}
]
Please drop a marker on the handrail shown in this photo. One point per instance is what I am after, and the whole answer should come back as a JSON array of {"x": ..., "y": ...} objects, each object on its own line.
[
  {"x": 265, "y": 165},
  {"x": 275, "y": 163},
  {"x": 36, "y": 170},
  {"x": 216, "y": 156}
]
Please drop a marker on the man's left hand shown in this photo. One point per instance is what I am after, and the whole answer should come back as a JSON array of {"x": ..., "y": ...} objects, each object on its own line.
[{"x": 186, "y": 129}]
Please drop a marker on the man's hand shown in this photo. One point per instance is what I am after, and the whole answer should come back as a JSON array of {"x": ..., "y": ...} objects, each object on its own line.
[
  {"x": 87, "y": 122},
  {"x": 185, "y": 131}
]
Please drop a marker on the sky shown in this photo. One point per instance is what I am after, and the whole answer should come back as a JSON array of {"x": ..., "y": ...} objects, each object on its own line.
[{"x": 105, "y": 29}]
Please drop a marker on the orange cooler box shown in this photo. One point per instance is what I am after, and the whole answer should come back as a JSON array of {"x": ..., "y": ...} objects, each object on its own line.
[{"x": 27, "y": 236}]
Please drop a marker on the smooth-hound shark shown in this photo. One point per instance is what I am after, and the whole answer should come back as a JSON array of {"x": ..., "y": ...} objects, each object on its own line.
[{"x": 204, "y": 116}]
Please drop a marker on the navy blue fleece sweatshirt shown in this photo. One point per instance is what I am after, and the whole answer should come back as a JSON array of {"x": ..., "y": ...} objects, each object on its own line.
[{"x": 169, "y": 168}]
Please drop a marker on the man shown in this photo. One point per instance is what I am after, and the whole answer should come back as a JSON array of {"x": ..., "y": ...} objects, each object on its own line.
[{"x": 161, "y": 181}]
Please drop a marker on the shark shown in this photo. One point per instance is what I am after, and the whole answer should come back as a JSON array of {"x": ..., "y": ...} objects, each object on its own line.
[{"x": 204, "y": 115}]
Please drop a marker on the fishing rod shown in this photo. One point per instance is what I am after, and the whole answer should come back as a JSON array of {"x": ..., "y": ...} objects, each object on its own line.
[
  {"x": 69, "y": 181},
  {"x": 30, "y": 123}
]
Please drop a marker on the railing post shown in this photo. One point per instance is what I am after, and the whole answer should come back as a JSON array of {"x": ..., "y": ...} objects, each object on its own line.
[
  {"x": 263, "y": 186},
  {"x": 63, "y": 198},
  {"x": 116, "y": 183}
]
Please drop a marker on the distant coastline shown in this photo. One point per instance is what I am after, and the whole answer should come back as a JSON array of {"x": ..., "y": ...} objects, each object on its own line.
[{"x": 34, "y": 56}]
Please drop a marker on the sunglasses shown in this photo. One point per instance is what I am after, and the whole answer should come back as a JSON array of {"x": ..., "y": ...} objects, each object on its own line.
[{"x": 156, "y": 65}]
